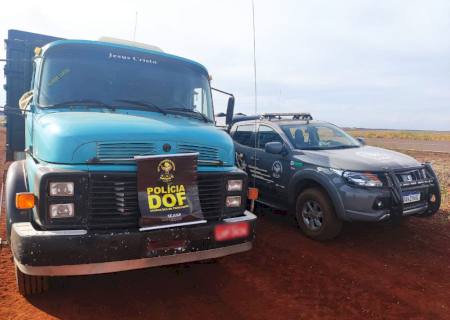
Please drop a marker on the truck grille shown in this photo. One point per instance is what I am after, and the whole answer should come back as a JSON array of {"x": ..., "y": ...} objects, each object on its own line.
[
  {"x": 206, "y": 153},
  {"x": 113, "y": 199},
  {"x": 113, "y": 202},
  {"x": 127, "y": 150}
]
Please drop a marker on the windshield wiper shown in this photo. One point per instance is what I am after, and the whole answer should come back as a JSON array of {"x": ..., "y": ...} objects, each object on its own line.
[
  {"x": 191, "y": 111},
  {"x": 327, "y": 148},
  {"x": 343, "y": 147},
  {"x": 84, "y": 102},
  {"x": 146, "y": 104}
]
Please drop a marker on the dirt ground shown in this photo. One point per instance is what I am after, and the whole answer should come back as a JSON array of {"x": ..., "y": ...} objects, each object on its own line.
[{"x": 372, "y": 271}]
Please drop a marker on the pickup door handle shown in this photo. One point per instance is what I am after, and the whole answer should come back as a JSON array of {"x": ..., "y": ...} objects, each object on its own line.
[{"x": 254, "y": 158}]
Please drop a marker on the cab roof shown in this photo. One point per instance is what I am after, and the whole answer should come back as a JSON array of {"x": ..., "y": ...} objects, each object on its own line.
[{"x": 124, "y": 46}]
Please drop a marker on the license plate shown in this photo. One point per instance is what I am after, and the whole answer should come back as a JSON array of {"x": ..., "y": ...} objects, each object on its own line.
[
  {"x": 224, "y": 232},
  {"x": 411, "y": 197}
]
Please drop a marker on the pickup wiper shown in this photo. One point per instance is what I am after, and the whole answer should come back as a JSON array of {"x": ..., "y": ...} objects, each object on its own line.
[
  {"x": 191, "y": 111},
  {"x": 83, "y": 102},
  {"x": 146, "y": 104},
  {"x": 343, "y": 147}
]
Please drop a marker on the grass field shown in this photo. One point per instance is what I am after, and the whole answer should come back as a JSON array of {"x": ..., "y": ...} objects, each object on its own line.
[{"x": 401, "y": 134}]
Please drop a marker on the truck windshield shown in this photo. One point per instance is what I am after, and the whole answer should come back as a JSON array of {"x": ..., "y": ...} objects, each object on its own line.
[
  {"x": 319, "y": 136},
  {"x": 111, "y": 75}
]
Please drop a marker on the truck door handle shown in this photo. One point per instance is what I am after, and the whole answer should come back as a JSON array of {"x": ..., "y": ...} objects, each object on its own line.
[{"x": 254, "y": 158}]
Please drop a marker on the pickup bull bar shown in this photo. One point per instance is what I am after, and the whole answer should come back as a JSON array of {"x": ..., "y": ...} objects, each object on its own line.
[{"x": 396, "y": 187}]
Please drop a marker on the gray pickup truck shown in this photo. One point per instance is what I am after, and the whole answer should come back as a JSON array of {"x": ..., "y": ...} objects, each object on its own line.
[{"x": 324, "y": 176}]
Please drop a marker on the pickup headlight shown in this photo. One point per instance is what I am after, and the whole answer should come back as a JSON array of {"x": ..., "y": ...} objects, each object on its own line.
[
  {"x": 362, "y": 179},
  {"x": 234, "y": 185},
  {"x": 61, "y": 189}
]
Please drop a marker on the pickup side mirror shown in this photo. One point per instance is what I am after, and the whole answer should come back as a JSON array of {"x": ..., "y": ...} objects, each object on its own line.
[
  {"x": 273, "y": 147},
  {"x": 361, "y": 140},
  {"x": 230, "y": 110}
]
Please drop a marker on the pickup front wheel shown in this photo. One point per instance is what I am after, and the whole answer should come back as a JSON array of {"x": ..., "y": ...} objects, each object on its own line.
[
  {"x": 29, "y": 285},
  {"x": 316, "y": 216}
]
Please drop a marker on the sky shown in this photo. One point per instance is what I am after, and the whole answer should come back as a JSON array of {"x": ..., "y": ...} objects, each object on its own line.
[{"x": 355, "y": 63}]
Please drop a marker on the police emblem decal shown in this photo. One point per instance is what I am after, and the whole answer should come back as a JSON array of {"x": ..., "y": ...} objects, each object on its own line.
[
  {"x": 277, "y": 169},
  {"x": 166, "y": 168}
]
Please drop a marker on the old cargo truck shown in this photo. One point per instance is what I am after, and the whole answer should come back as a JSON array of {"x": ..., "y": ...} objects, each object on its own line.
[{"x": 118, "y": 164}]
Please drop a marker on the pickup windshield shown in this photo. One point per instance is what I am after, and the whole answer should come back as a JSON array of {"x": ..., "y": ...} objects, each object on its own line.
[
  {"x": 110, "y": 74},
  {"x": 319, "y": 136}
]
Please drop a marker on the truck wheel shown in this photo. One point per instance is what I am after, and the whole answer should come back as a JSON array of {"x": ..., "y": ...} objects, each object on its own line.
[
  {"x": 316, "y": 216},
  {"x": 29, "y": 285}
]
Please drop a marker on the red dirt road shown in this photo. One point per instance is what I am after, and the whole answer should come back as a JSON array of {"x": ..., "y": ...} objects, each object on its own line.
[{"x": 371, "y": 271}]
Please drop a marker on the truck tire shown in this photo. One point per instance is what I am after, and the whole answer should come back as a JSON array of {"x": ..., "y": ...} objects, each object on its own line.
[
  {"x": 29, "y": 285},
  {"x": 316, "y": 216}
]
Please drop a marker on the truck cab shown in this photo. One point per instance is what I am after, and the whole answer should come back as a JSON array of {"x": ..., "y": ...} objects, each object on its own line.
[{"x": 94, "y": 109}]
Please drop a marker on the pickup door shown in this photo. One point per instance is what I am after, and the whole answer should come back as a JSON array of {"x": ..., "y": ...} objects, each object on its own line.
[
  {"x": 268, "y": 172},
  {"x": 274, "y": 166}
]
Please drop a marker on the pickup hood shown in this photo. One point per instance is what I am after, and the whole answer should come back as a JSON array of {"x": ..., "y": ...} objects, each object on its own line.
[
  {"x": 76, "y": 137},
  {"x": 364, "y": 158}
]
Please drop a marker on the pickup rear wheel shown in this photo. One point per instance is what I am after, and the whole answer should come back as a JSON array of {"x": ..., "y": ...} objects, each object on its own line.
[
  {"x": 28, "y": 285},
  {"x": 316, "y": 216}
]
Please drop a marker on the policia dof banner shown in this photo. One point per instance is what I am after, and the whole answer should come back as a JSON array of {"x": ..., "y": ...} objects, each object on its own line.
[{"x": 168, "y": 191}]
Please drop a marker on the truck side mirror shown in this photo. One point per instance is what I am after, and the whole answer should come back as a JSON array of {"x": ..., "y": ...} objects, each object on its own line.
[
  {"x": 273, "y": 147},
  {"x": 361, "y": 140},
  {"x": 230, "y": 110},
  {"x": 25, "y": 100}
]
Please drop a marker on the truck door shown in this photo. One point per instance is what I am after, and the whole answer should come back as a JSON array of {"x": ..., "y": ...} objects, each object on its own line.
[
  {"x": 275, "y": 167},
  {"x": 18, "y": 71}
]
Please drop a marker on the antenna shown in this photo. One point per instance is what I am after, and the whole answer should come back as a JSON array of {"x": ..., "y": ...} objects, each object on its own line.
[
  {"x": 256, "y": 92},
  {"x": 254, "y": 57},
  {"x": 135, "y": 26}
]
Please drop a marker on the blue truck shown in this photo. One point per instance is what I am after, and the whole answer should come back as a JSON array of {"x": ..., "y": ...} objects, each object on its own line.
[{"x": 80, "y": 116}]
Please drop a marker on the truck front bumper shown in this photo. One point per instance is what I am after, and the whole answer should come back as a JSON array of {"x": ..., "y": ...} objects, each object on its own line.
[{"x": 81, "y": 252}]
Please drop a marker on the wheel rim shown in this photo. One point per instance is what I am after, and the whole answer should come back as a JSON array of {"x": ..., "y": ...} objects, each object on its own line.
[{"x": 312, "y": 215}]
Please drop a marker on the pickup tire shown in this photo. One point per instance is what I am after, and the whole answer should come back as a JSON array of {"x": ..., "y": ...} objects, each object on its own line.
[
  {"x": 29, "y": 285},
  {"x": 316, "y": 216}
]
